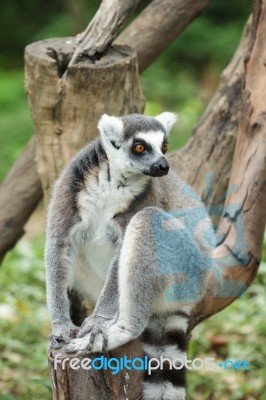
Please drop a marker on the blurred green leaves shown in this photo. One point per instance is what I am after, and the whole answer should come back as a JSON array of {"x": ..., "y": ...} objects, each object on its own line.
[
  {"x": 16, "y": 126},
  {"x": 24, "y": 323}
]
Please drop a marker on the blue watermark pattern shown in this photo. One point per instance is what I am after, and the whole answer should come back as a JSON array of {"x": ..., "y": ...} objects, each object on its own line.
[{"x": 181, "y": 250}]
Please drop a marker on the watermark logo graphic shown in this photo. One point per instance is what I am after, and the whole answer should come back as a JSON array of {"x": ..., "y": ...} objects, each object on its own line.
[
  {"x": 182, "y": 252},
  {"x": 240, "y": 365},
  {"x": 185, "y": 244},
  {"x": 147, "y": 364}
]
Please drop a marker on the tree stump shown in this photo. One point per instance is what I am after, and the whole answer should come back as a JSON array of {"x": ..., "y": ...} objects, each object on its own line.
[
  {"x": 79, "y": 383},
  {"x": 67, "y": 102}
]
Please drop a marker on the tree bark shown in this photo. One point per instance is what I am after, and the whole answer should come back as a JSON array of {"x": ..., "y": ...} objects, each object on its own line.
[
  {"x": 21, "y": 183},
  {"x": 64, "y": 123},
  {"x": 157, "y": 26},
  {"x": 71, "y": 384},
  {"x": 103, "y": 29},
  {"x": 206, "y": 161},
  {"x": 244, "y": 216}
]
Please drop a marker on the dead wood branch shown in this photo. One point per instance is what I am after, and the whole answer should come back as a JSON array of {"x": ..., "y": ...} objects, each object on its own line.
[
  {"x": 19, "y": 195},
  {"x": 103, "y": 29},
  {"x": 157, "y": 26}
]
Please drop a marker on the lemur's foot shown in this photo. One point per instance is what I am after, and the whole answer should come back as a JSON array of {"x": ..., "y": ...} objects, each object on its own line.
[
  {"x": 62, "y": 334},
  {"x": 101, "y": 338}
]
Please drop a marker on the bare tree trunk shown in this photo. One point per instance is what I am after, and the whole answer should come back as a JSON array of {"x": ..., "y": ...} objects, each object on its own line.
[
  {"x": 244, "y": 216},
  {"x": 206, "y": 161}
]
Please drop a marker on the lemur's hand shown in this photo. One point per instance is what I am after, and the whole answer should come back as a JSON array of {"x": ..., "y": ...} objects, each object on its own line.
[
  {"x": 103, "y": 336},
  {"x": 93, "y": 330},
  {"x": 93, "y": 322},
  {"x": 62, "y": 334}
]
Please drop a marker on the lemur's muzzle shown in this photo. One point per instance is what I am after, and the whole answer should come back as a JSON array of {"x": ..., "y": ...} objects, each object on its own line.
[{"x": 160, "y": 167}]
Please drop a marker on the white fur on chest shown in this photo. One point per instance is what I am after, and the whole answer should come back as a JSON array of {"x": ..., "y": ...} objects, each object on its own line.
[
  {"x": 103, "y": 199},
  {"x": 98, "y": 203}
]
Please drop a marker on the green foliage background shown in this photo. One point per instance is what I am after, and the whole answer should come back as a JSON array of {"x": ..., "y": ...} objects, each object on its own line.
[{"x": 183, "y": 79}]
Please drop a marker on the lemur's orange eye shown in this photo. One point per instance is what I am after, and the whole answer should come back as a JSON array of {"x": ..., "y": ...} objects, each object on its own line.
[
  {"x": 164, "y": 147},
  {"x": 139, "y": 148}
]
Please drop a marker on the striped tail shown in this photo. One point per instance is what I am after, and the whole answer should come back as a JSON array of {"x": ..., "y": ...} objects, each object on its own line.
[{"x": 166, "y": 338}]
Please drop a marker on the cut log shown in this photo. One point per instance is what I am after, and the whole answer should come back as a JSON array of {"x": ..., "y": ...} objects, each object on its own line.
[
  {"x": 81, "y": 383},
  {"x": 67, "y": 112}
]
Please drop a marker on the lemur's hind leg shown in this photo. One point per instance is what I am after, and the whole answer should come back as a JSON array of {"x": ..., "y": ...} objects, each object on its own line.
[{"x": 139, "y": 283}]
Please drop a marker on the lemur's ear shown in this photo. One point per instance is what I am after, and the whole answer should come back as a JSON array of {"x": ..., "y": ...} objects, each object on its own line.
[
  {"x": 167, "y": 119},
  {"x": 112, "y": 129}
]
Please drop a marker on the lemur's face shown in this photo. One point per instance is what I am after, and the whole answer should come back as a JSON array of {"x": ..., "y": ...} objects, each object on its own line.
[
  {"x": 136, "y": 144},
  {"x": 146, "y": 153}
]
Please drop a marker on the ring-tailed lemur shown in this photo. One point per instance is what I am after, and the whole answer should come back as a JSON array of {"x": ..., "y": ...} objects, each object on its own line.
[{"x": 127, "y": 234}]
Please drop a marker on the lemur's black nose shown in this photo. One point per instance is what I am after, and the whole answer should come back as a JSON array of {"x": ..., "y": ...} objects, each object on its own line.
[{"x": 160, "y": 167}]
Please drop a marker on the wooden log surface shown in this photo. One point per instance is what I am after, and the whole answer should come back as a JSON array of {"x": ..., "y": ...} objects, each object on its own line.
[
  {"x": 69, "y": 383},
  {"x": 67, "y": 113}
]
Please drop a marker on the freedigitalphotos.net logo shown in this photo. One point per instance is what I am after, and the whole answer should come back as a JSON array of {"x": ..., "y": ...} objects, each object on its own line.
[
  {"x": 182, "y": 251},
  {"x": 147, "y": 364}
]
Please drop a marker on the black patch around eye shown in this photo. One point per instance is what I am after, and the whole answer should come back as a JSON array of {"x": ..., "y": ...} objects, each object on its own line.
[
  {"x": 142, "y": 143},
  {"x": 115, "y": 145}
]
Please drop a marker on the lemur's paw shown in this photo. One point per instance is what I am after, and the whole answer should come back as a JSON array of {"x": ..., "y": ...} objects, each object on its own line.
[
  {"x": 105, "y": 337},
  {"x": 93, "y": 322},
  {"x": 61, "y": 335},
  {"x": 93, "y": 342},
  {"x": 102, "y": 338}
]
